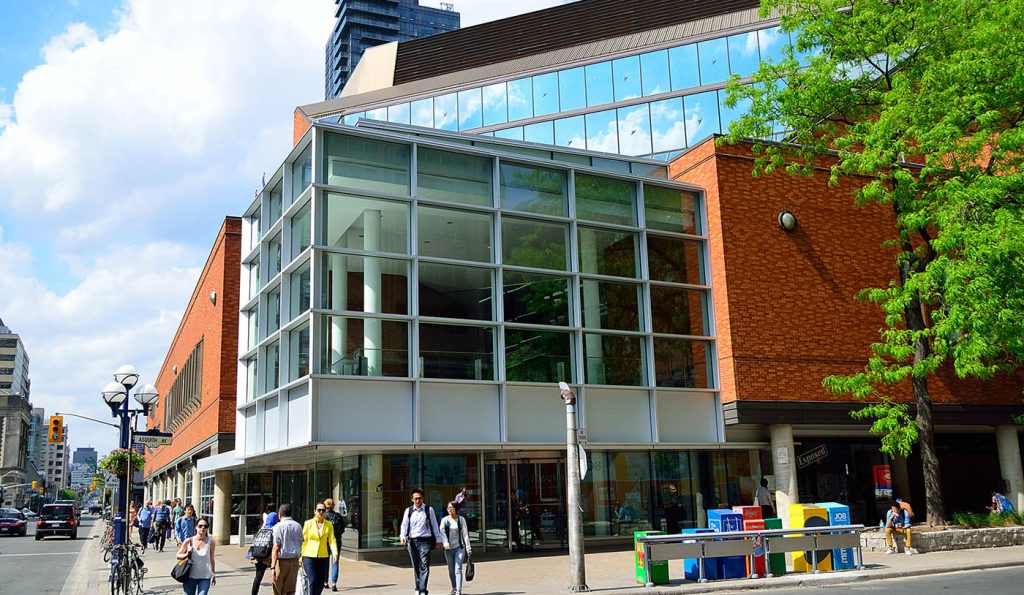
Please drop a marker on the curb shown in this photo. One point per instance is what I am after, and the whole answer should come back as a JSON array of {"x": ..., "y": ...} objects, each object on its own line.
[{"x": 77, "y": 582}]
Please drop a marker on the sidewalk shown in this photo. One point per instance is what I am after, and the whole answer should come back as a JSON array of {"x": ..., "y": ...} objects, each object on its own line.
[{"x": 606, "y": 571}]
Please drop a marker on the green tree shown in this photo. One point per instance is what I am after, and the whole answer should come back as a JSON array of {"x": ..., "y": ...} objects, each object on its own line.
[{"x": 925, "y": 98}]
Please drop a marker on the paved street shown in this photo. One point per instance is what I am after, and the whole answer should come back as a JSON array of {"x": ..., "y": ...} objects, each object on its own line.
[
  {"x": 1002, "y": 580},
  {"x": 30, "y": 566}
]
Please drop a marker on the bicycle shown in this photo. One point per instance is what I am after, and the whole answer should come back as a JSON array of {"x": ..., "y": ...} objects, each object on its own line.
[
  {"x": 127, "y": 571},
  {"x": 107, "y": 541}
]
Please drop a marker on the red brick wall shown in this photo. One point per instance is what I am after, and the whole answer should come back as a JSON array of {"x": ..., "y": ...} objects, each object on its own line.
[
  {"x": 300, "y": 124},
  {"x": 785, "y": 303},
  {"x": 217, "y": 326}
]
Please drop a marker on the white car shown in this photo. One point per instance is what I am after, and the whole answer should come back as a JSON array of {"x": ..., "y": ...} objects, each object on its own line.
[{"x": 28, "y": 512}]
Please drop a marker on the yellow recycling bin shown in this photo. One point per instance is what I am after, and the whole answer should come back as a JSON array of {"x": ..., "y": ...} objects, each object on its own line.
[{"x": 809, "y": 515}]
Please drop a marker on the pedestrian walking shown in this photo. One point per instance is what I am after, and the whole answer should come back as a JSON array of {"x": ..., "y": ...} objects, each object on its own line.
[
  {"x": 420, "y": 535},
  {"x": 162, "y": 520},
  {"x": 763, "y": 498},
  {"x": 263, "y": 562},
  {"x": 133, "y": 520},
  {"x": 145, "y": 517},
  {"x": 201, "y": 550},
  {"x": 319, "y": 548},
  {"x": 284, "y": 561},
  {"x": 271, "y": 509},
  {"x": 338, "y": 524},
  {"x": 455, "y": 537},
  {"x": 185, "y": 527},
  {"x": 177, "y": 511}
]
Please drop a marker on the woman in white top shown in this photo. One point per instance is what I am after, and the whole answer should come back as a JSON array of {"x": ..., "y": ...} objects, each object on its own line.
[
  {"x": 455, "y": 537},
  {"x": 201, "y": 549}
]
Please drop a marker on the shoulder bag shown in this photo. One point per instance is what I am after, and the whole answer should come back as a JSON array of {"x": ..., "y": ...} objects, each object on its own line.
[{"x": 182, "y": 569}]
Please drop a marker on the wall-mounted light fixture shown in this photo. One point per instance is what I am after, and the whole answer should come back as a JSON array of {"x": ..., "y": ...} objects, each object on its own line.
[
  {"x": 787, "y": 221},
  {"x": 213, "y": 297}
]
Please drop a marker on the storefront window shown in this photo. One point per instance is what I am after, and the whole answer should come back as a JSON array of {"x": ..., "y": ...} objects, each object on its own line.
[
  {"x": 443, "y": 478},
  {"x": 206, "y": 485},
  {"x": 387, "y": 480}
]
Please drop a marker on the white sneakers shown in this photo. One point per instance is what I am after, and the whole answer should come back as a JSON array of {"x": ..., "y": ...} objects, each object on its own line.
[
  {"x": 890, "y": 550},
  {"x": 909, "y": 552}
]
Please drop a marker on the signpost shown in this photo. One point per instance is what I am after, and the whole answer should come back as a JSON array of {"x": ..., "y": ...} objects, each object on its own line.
[{"x": 152, "y": 438}]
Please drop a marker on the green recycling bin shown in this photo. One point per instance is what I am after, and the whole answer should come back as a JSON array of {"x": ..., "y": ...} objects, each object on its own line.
[
  {"x": 658, "y": 570},
  {"x": 776, "y": 562}
]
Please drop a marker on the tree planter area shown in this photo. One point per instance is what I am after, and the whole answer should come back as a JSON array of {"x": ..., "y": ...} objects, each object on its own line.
[{"x": 941, "y": 540}]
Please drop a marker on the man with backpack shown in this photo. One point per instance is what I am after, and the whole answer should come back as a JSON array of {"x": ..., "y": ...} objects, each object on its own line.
[
  {"x": 162, "y": 520},
  {"x": 1000, "y": 503},
  {"x": 420, "y": 535},
  {"x": 337, "y": 519},
  {"x": 897, "y": 520}
]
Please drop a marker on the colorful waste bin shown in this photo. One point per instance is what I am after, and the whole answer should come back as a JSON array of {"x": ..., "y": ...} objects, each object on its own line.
[
  {"x": 658, "y": 570},
  {"x": 776, "y": 562},
  {"x": 748, "y": 512},
  {"x": 723, "y": 520},
  {"x": 809, "y": 515},
  {"x": 691, "y": 566},
  {"x": 839, "y": 514}
]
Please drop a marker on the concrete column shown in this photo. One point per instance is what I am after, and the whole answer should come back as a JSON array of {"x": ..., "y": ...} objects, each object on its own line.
[
  {"x": 372, "y": 343},
  {"x": 784, "y": 465},
  {"x": 196, "y": 489},
  {"x": 1009, "y": 464},
  {"x": 900, "y": 478},
  {"x": 594, "y": 363},
  {"x": 181, "y": 485},
  {"x": 222, "y": 507}
]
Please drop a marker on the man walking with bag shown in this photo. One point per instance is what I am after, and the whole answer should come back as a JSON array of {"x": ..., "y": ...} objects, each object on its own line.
[
  {"x": 420, "y": 535},
  {"x": 284, "y": 559}
]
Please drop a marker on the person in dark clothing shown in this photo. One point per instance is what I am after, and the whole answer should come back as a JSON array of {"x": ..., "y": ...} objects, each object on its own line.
[
  {"x": 162, "y": 520},
  {"x": 262, "y": 564},
  {"x": 338, "y": 521},
  {"x": 674, "y": 511}
]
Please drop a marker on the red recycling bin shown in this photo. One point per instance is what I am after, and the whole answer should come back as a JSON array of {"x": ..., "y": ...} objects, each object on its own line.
[{"x": 759, "y": 557}]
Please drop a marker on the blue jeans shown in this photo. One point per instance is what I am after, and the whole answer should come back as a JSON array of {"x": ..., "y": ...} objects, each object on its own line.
[
  {"x": 419, "y": 552},
  {"x": 455, "y": 557},
  {"x": 335, "y": 567},
  {"x": 197, "y": 586}
]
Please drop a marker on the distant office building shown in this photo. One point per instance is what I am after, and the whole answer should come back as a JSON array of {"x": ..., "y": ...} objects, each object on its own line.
[
  {"x": 85, "y": 455},
  {"x": 37, "y": 438},
  {"x": 13, "y": 364},
  {"x": 57, "y": 465},
  {"x": 367, "y": 23},
  {"x": 15, "y": 418}
]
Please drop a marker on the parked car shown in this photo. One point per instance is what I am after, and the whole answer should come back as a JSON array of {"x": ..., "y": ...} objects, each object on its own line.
[
  {"x": 13, "y": 522},
  {"x": 28, "y": 512},
  {"x": 57, "y": 519}
]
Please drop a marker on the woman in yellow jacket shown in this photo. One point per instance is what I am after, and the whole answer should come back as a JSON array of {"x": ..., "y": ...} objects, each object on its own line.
[{"x": 319, "y": 548}]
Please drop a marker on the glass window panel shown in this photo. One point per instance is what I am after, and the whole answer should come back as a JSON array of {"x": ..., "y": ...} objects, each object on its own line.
[
  {"x": 533, "y": 189},
  {"x": 731, "y": 114},
  {"x": 470, "y": 113},
  {"x": 545, "y": 94},
  {"x": 454, "y": 177},
  {"x": 455, "y": 291},
  {"x": 399, "y": 113},
  {"x": 675, "y": 260},
  {"x": 520, "y": 99},
  {"x": 252, "y": 319},
  {"x": 495, "y": 106},
  {"x": 629, "y": 486},
  {"x": 538, "y": 356},
  {"x": 634, "y": 130},
  {"x": 274, "y": 255},
  {"x": 613, "y": 165},
  {"x": 701, "y": 116},
  {"x": 251, "y": 388},
  {"x": 599, "y": 83},
  {"x": 669, "y": 209},
  {"x": 367, "y": 164},
  {"x": 458, "y": 352},
  {"x": 346, "y": 219},
  {"x": 571, "y": 158},
  {"x": 607, "y": 252},
  {"x": 682, "y": 62},
  {"x": 570, "y": 132},
  {"x": 254, "y": 229},
  {"x": 347, "y": 279},
  {"x": 539, "y": 132},
  {"x": 668, "y": 130},
  {"x": 533, "y": 298},
  {"x": 299, "y": 352},
  {"x": 678, "y": 311},
  {"x": 532, "y": 243},
  {"x": 654, "y": 73},
  {"x": 302, "y": 229},
  {"x": 444, "y": 475},
  {"x": 743, "y": 53},
  {"x": 299, "y": 297},
  {"x": 380, "y": 113},
  {"x": 610, "y": 305},
  {"x": 273, "y": 310},
  {"x": 351, "y": 119},
  {"x": 302, "y": 177},
  {"x": 605, "y": 199},
  {"x": 272, "y": 367},
  {"x": 627, "y": 77},
  {"x": 254, "y": 277},
  {"x": 450, "y": 233},
  {"x": 273, "y": 206},
  {"x": 680, "y": 363},
  {"x": 515, "y": 133},
  {"x": 613, "y": 359},
  {"x": 572, "y": 89},
  {"x": 446, "y": 112},
  {"x": 423, "y": 112},
  {"x": 678, "y": 482},
  {"x": 714, "y": 61},
  {"x": 602, "y": 132},
  {"x": 802, "y": 56},
  {"x": 364, "y": 346},
  {"x": 772, "y": 44}
]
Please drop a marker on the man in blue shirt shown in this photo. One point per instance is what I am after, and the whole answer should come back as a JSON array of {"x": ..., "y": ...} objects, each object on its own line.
[
  {"x": 420, "y": 536},
  {"x": 897, "y": 519},
  {"x": 162, "y": 519},
  {"x": 145, "y": 518}
]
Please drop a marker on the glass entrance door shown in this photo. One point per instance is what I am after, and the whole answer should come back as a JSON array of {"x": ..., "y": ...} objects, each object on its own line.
[{"x": 526, "y": 503}]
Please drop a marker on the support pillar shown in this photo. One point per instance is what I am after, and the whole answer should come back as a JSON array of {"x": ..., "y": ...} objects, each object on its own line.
[
  {"x": 222, "y": 507},
  {"x": 180, "y": 492},
  {"x": 372, "y": 342},
  {"x": 339, "y": 301},
  {"x": 784, "y": 465},
  {"x": 196, "y": 490},
  {"x": 1009, "y": 464}
]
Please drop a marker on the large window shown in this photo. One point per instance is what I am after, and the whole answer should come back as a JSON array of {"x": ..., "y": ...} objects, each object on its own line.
[
  {"x": 301, "y": 232},
  {"x": 681, "y": 363},
  {"x": 534, "y": 243},
  {"x": 302, "y": 177},
  {"x": 675, "y": 260},
  {"x": 373, "y": 225},
  {"x": 354, "y": 346},
  {"x": 298, "y": 349},
  {"x": 610, "y": 305},
  {"x": 457, "y": 352},
  {"x": 454, "y": 234},
  {"x": 366, "y": 164},
  {"x": 533, "y": 189},
  {"x": 534, "y": 298},
  {"x": 607, "y": 252},
  {"x": 299, "y": 299},
  {"x": 456, "y": 291},
  {"x": 538, "y": 356},
  {"x": 605, "y": 200},
  {"x": 454, "y": 177},
  {"x": 668, "y": 209},
  {"x": 364, "y": 284},
  {"x": 613, "y": 359}
]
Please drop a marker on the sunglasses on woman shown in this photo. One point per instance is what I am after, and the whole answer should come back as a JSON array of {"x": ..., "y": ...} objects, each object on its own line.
[
  {"x": 321, "y": 510},
  {"x": 200, "y": 526}
]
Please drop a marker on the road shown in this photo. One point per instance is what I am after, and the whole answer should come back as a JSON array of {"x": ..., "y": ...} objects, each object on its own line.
[
  {"x": 30, "y": 566},
  {"x": 989, "y": 582}
]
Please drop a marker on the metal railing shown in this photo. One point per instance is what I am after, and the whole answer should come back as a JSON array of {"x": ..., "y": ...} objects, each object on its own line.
[{"x": 658, "y": 548}]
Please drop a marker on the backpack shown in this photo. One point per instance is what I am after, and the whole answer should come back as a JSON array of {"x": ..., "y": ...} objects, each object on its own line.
[
  {"x": 1004, "y": 503},
  {"x": 430, "y": 511},
  {"x": 262, "y": 543}
]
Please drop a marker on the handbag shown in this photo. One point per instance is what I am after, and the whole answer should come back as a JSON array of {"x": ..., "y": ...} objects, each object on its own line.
[
  {"x": 182, "y": 569},
  {"x": 470, "y": 571},
  {"x": 302, "y": 586}
]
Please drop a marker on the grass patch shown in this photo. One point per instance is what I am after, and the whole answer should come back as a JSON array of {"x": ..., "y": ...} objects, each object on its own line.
[{"x": 977, "y": 520}]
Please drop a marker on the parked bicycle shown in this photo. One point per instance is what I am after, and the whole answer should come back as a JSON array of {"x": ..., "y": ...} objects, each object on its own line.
[
  {"x": 127, "y": 570},
  {"x": 107, "y": 541}
]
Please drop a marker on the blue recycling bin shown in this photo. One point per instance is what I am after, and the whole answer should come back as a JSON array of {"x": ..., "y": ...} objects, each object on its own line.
[
  {"x": 691, "y": 566},
  {"x": 839, "y": 514},
  {"x": 723, "y": 520}
]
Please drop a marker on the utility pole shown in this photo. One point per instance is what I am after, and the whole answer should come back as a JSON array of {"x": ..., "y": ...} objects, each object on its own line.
[{"x": 577, "y": 566}]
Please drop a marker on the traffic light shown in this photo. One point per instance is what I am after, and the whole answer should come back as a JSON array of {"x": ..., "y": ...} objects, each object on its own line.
[
  {"x": 34, "y": 485},
  {"x": 42, "y": 491},
  {"x": 56, "y": 433}
]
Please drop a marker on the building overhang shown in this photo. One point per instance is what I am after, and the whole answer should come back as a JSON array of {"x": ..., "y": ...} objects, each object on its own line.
[{"x": 811, "y": 413}]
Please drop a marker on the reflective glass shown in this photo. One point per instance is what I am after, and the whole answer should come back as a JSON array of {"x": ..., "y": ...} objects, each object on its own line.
[
  {"x": 252, "y": 323},
  {"x": 680, "y": 363},
  {"x": 772, "y": 43},
  {"x": 456, "y": 291},
  {"x": 273, "y": 310},
  {"x": 675, "y": 260},
  {"x": 302, "y": 228},
  {"x": 678, "y": 311},
  {"x": 423, "y": 112},
  {"x": 539, "y": 132},
  {"x": 613, "y": 359},
  {"x": 538, "y": 356},
  {"x": 298, "y": 301},
  {"x": 626, "y": 73},
  {"x": 399, "y": 114},
  {"x": 274, "y": 204},
  {"x": 446, "y": 112},
  {"x": 730, "y": 114},
  {"x": 682, "y": 62},
  {"x": 714, "y": 61},
  {"x": 803, "y": 56},
  {"x": 515, "y": 133},
  {"x": 533, "y": 243},
  {"x": 351, "y": 119},
  {"x": 298, "y": 348},
  {"x": 274, "y": 255},
  {"x": 572, "y": 89},
  {"x": 570, "y": 132},
  {"x": 470, "y": 113},
  {"x": 495, "y": 104},
  {"x": 367, "y": 164},
  {"x": 347, "y": 218},
  {"x": 348, "y": 280},
  {"x": 602, "y": 132},
  {"x": 634, "y": 130},
  {"x": 454, "y": 177},
  {"x": 272, "y": 367},
  {"x": 520, "y": 99},
  {"x": 533, "y": 189},
  {"x": 302, "y": 177},
  {"x": 743, "y": 53},
  {"x": 380, "y": 114},
  {"x": 364, "y": 346},
  {"x": 629, "y": 486},
  {"x": 545, "y": 94},
  {"x": 254, "y": 277},
  {"x": 454, "y": 234},
  {"x": 669, "y": 209},
  {"x": 251, "y": 386},
  {"x": 668, "y": 131},
  {"x": 599, "y": 83},
  {"x": 654, "y": 72},
  {"x": 701, "y": 116},
  {"x": 457, "y": 352},
  {"x": 607, "y": 252},
  {"x": 534, "y": 298},
  {"x": 605, "y": 199},
  {"x": 610, "y": 305}
]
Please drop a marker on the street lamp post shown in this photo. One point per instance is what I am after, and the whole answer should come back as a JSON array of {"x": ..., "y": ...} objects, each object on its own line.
[{"x": 577, "y": 567}]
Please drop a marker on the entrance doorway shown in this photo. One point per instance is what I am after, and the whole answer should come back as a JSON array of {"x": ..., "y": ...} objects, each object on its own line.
[{"x": 525, "y": 503}]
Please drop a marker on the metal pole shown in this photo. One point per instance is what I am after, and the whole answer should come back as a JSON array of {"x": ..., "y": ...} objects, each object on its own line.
[
  {"x": 122, "y": 481},
  {"x": 577, "y": 567}
]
